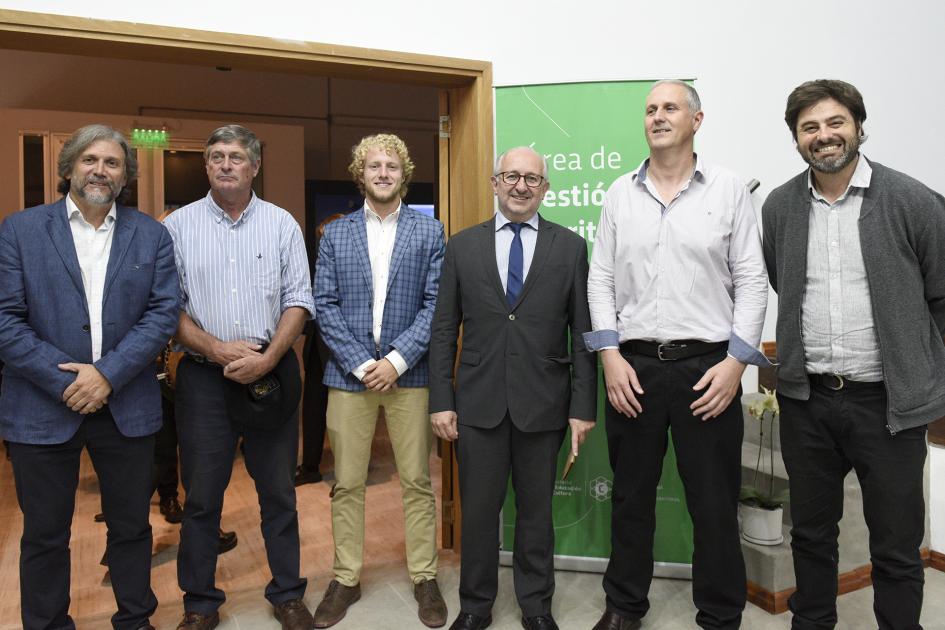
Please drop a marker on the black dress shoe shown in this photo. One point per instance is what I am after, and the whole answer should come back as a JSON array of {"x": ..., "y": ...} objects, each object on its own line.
[
  {"x": 171, "y": 509},
  {"x": 612, "y": 621},
  {"x": 226, "y": 542},
  {"x": 539, "y": 622},
  {"x": 469, "y": 621},
  {"x": 305, "y": 475}
]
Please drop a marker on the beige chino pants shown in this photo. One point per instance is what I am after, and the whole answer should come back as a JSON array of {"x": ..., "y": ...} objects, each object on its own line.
[{"x": 351, "y": 419}]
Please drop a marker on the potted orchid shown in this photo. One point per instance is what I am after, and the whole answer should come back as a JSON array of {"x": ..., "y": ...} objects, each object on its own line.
[{"x": 760, "y": 507}]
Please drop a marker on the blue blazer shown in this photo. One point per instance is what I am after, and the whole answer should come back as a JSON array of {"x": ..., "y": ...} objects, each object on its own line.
[
  {"x": 44, "y": 321},
  {"x": 344, "y": 296}
]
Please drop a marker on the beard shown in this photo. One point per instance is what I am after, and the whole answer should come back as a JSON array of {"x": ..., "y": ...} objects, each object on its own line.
[
  {"x": 381, "y": 195},
  {"x": 97, "y": 196},
  {"x": 834, "y": 164}
]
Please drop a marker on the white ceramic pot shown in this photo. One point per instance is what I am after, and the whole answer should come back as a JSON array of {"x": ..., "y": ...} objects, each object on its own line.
[{"x": 761, "y": 526}]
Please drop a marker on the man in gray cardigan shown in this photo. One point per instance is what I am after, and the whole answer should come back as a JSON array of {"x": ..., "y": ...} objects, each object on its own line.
[{"x": 855, "y": 252}]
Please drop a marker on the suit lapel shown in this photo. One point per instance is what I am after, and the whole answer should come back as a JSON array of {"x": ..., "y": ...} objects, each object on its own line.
[
  {"x": 405, "y": 226},
  {"x": 546, "y": 237},
  {"x": 61, "y": 236},
  {"x": 124, "y": 232},
  {"x": 489, "y": 266},
  {"x": 358, "y": 230}
]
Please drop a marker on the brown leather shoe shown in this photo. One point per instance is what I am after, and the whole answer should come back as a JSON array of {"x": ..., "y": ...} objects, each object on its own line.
[
  {"x": 226, "y": 542},
  {"x": 171, "y": 510},
  {"x": 293, "y": 615},
  {"x": 431, "y": 607},
  {"x": 335, "y": 603},
  {"x": 612, "y": 621},
  {"x": 196, "y": 621}
]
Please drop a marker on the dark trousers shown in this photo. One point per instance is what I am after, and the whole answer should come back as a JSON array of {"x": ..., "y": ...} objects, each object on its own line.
[
  {"x": 486, "y": 456},
  {"x": 708, "y": 456},
  {"x": 207, "y": 447},
  {"x": 46, "y": 478},
  {"x": 314, "y": 402},
  {"x": 164, "y": 473},
  {"x": 822, "y": 439}
]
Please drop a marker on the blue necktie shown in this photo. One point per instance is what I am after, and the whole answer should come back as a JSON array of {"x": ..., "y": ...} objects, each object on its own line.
[{"x": 513, "y": 285}]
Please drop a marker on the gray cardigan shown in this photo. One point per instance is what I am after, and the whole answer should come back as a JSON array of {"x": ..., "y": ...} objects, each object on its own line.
[{"x": 902, "y": 236}]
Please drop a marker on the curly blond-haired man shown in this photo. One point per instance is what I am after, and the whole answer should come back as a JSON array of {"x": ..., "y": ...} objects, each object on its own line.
[{"x": 376, "y": 282}]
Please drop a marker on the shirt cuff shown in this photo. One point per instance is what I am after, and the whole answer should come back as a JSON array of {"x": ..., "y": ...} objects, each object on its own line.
[
  {"x": 741, "y": 350},
  {"x": 601, "y": 340},
  {"x": 359, "y": 371},
  {"x": 398, "y": 362}
]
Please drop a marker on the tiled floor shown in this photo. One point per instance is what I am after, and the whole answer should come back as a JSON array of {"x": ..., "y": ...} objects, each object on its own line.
[{"x": 387, "y": 601}]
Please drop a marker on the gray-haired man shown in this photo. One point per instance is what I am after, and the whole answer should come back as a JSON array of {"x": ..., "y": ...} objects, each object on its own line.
[{"x": 246, "y": 294}]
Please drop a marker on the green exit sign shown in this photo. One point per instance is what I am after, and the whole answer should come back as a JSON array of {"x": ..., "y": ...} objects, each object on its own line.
[{"x": 149, "y": 138}]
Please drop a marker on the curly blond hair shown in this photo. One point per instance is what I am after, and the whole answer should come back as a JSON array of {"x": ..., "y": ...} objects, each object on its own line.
[{"x": 390, "y": 144}]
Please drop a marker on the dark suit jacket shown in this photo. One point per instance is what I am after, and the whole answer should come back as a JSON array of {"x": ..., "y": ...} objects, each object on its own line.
[
  {"x": 516, "y": 360},
  {"x": 44, "y": 321}
]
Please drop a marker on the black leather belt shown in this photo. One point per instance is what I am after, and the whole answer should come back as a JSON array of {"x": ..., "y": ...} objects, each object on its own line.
[
  {"x": 672, "y": 350},
  {"x": 836, "y": 382},
  {"x": 199, "y": 358}
]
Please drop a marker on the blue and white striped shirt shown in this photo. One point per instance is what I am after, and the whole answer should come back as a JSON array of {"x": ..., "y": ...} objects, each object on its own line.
[{"x": 238, "y": 277}]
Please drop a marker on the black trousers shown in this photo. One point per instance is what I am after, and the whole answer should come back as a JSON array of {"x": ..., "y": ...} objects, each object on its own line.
[
  {"x": 708, "y": 456},
  {"x": 486, "y": 457},
  {"x": 164, "y": 473},
  {"x": 207, "y": 447},
  {"x": 822, "y": 439},
  {"x": 314, "y": 402},
  {"x": 46, "y": 478}
]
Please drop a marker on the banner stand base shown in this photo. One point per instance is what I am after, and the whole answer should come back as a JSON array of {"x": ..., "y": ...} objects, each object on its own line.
[{"x": 673, "y": 570}]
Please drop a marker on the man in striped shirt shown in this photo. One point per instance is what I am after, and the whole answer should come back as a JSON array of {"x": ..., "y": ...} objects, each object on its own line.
[{"x": 245, "y": 295}]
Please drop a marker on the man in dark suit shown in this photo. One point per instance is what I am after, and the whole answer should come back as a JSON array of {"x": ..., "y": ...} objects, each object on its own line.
[
  {"x": 518, "y": 285},
  {"x": 88, "y": 298}
]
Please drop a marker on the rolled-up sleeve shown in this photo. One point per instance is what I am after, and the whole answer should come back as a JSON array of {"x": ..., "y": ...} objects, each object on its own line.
[
  {"x": 750, "y": 282},
  {"x": 601, "y": 291},
  {"x": 296, "y": 278}
]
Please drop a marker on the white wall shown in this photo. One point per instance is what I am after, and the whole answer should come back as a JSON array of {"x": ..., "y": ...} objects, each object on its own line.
[
  {"x": 937, "y": 497},
  {"x": 746, "y": 57}
]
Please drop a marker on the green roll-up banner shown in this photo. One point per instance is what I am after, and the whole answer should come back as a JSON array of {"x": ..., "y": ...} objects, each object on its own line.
[{"x": 591, "y": 133}]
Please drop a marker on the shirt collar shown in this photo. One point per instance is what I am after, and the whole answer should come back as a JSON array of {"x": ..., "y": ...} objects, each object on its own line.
[
  {"x": 369, "y": 212},
  {"x": 862, "y": 175},
  {"x": 501, "y": 221},
  {"x": 640, "y": 174},
  {"x": 219, "y": 214},
  {"x": 72, "y": 210}
]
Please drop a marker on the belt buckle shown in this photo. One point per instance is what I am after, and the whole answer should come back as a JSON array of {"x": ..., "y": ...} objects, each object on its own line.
[
  {"x": 659, "y": 351},
  {"x": 840, "y": 383}
]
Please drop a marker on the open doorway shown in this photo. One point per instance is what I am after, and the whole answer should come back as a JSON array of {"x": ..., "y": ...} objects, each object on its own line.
[{"x": 460, "y": 134}]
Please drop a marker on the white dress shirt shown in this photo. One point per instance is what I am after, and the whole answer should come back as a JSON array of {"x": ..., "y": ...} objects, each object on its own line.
[
  {"x": 380, "y": 238},
  {"x": 690, "y": 269},
  {"x": 836, "y": 314},
  {"x": 92, "y": 247}
]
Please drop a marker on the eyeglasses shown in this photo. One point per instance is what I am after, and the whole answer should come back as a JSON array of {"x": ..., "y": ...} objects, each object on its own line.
[{"x": 510, "y": 178}]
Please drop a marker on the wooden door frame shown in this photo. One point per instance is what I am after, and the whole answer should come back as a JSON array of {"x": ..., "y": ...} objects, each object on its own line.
[{"x": 467, "y": 198}]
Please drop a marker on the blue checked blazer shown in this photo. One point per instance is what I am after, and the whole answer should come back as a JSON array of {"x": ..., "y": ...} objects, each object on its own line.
[{"x": 344, "y": 296}]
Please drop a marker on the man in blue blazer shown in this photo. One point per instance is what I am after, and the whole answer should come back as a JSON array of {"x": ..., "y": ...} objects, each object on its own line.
[
  {"x": 376, "y": 281},
  {"x": 88, "y": 298}
]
